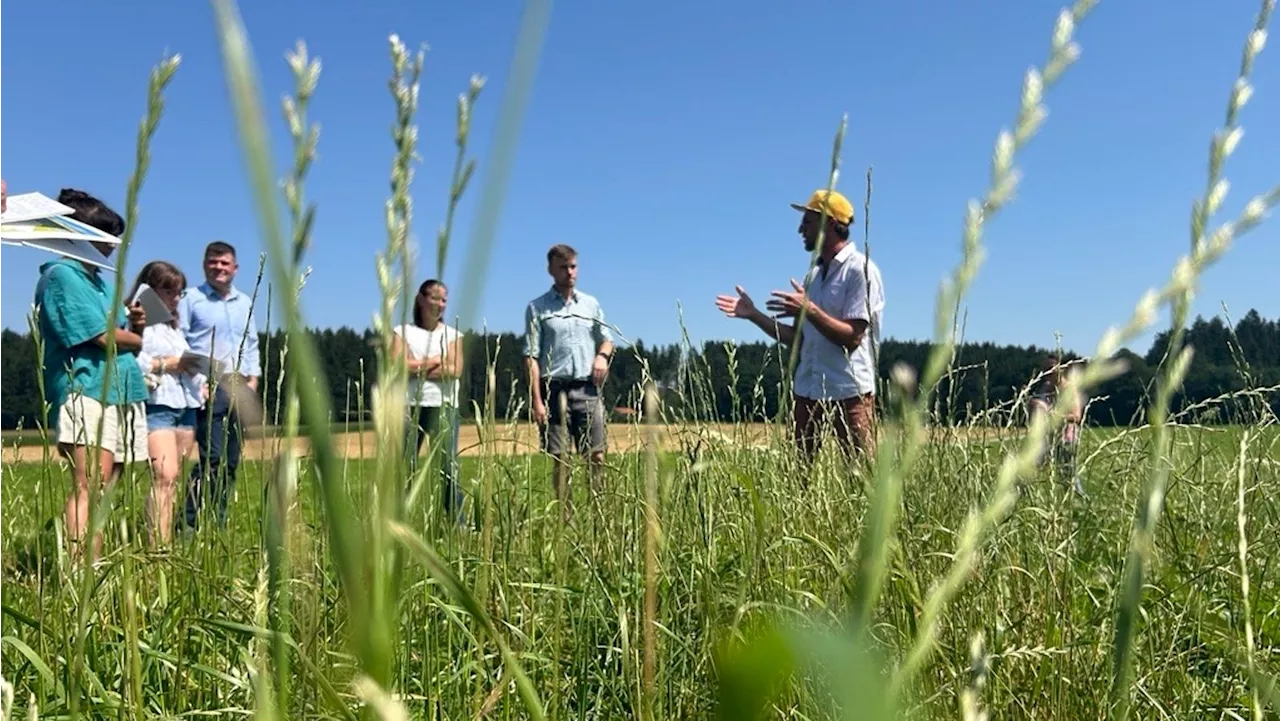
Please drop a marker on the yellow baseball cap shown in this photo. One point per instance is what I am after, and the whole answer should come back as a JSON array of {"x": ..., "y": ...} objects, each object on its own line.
[{"x": 838, "y": 207}]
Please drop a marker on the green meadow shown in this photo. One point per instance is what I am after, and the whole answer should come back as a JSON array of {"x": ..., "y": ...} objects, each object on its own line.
[
  {"x": 746, "y": 542},
  {"x": 948, "y": 577}
]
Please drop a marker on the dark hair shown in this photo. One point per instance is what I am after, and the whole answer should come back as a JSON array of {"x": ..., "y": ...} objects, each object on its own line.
[
  {"x": 1053, "y": 369},
  {"x": 419, "y": 301},
  {"x": 840, "y": 229},
  {"x": 219, "y": 247},
  {"x": 91, "y": 211},
  {"x": 160, "y": 275},
  {"x": 560, "y": 251}
]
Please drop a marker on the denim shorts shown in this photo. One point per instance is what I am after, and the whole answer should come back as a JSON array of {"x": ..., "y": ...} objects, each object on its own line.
[{"x": 164, "y": 418}]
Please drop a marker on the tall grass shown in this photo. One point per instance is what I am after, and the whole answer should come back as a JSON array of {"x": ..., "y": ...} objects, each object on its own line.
[{"x": 712, "y": 579}]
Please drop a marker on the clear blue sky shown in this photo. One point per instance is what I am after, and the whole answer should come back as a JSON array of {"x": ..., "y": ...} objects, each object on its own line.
[{"x": 665, "y": 141}]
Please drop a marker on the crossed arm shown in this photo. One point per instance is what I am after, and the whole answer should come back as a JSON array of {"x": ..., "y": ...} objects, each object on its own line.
[{"x": 436, "y": 367}]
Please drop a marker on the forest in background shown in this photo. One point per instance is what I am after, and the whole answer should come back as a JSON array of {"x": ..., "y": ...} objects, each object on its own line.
[{"x": 743, "y": 382}]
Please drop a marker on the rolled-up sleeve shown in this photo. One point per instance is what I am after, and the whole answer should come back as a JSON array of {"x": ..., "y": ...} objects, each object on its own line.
[
  {"x": 532, "y": 334},
  {"x": 600, "y": 328},
  {"x": 252, "y": 359},
  {"x": 855, "y": 301}
]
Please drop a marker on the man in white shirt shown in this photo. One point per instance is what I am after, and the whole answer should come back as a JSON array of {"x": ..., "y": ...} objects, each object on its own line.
[{"x": 843, "y": 302}]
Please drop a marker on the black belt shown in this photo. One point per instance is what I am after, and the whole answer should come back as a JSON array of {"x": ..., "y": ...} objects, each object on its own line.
[{"x": 568, "y": 382}]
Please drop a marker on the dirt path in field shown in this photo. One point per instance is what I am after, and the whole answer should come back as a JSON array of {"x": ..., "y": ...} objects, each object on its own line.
[{"x": 505, "y": 440}]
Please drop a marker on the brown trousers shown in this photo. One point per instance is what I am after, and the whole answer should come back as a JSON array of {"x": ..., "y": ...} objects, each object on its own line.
[{"x": 853, "y": 420}]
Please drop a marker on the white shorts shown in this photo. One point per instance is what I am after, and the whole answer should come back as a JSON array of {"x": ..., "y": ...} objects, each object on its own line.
[{"x": 124, "y": 428}]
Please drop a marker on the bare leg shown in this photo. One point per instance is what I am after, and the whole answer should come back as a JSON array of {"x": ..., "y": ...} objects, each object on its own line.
[
  {"x": 596, "y": 463},
  {"x": 168, "y": 449},
  {"x": 88, "y": 465}
]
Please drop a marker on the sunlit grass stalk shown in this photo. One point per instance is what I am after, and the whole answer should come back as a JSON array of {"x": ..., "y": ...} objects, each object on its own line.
[
  {"x": 652, "y": 533},
  {"x": 872, "y": 331},
  {"x": 282, "y": 485},
  {"x": 873, "y": 548},
  {"x": 390, "y": 392},
  {"x": 99, "y": 503},
  {"x": 1243, "y": 547},
  {"x": 979, "y": 669},
  {"x": 131, "y": 627},
  {"x": 1151, "y": 503},
  {"x": 463, "y": 169},
  {"x": 368, "y": 635}
]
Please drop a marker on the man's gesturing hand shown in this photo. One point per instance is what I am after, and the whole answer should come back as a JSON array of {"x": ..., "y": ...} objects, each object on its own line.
[
  {"x": 788, "y": 305},
  {"x": 739, "y": 306}
]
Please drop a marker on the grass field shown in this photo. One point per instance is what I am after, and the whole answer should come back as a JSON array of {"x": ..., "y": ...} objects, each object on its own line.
[
  {"x": 744, "y": 544},
  {"x": 710, "y": 577}
]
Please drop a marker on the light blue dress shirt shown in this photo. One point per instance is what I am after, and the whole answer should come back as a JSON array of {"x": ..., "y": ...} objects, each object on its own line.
[
  {"x": 564, "y": 335},
  {"x": 225, "y": 326}
]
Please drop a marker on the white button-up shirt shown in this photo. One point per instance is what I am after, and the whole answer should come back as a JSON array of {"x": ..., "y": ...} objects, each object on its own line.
[
  {"x": 850, "y": 289},
  {"x": 172, "y": 390}
]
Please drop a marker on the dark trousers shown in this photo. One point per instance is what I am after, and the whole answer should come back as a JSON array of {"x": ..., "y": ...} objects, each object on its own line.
[
  {"x": 219, "y": 435},
  {"x": 441, "y": 426}
]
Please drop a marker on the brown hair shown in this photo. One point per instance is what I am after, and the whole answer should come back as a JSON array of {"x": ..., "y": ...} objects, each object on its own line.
[
  {"x": 560, "y": 251},
  {"x": 160, "y": 275},
  {"x": 219, "y": 247},
  {"x": 420, "y": 301}
]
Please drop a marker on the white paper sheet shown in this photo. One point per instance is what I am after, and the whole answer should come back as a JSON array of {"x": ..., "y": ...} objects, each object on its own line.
[
  {"x": 157, "y": 311},
  {"x": 32, "y": 206}
]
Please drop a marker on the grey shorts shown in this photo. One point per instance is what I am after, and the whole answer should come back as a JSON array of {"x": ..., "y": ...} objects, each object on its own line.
[{"x": 585, "y": 421}]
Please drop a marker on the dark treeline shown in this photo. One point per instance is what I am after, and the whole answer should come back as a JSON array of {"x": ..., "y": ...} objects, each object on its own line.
[{"x": 724, "y": 382}]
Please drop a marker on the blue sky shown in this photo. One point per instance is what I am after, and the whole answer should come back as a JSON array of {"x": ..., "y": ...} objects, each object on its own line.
[{"x": 666, "y": 139}]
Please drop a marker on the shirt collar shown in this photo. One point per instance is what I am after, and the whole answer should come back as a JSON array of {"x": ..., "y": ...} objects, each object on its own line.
[
  {"x": 554, "y": 293},
  {"x": 88, "y": 271},
  {"x": 233, "y": 293},
  {"x": 839, "y": 258}
]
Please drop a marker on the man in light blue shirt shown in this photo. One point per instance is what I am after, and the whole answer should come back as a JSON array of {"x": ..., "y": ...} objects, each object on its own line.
[
  {"x": 567, "y": 348},
  {"x": 218, "y": 321}
]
